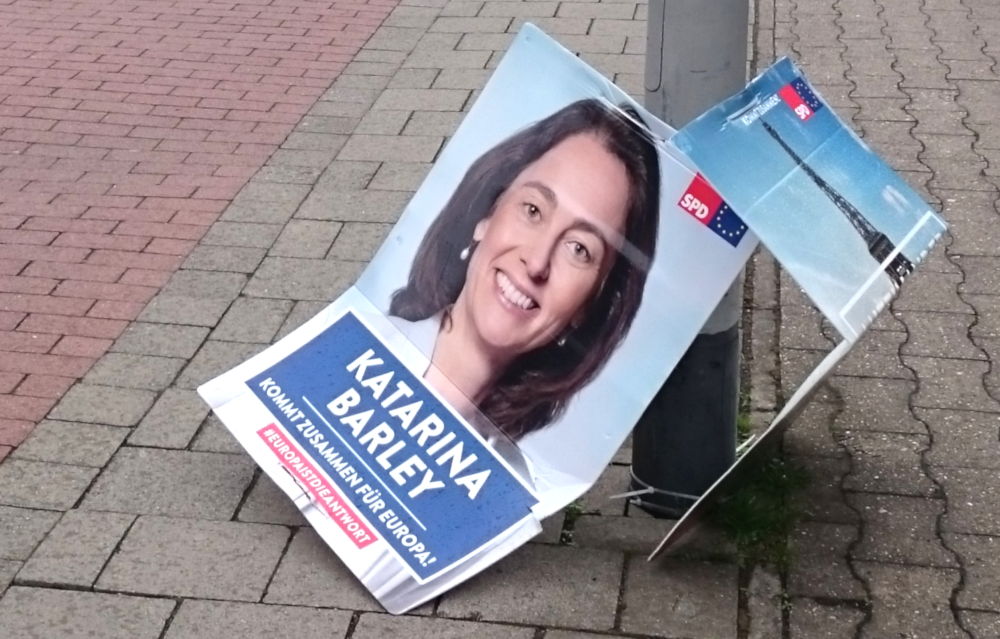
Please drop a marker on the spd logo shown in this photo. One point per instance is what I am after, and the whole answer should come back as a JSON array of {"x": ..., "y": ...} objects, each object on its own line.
[
  {"x": 705, "y": 205},
  {"x": 700, "y": 200}
]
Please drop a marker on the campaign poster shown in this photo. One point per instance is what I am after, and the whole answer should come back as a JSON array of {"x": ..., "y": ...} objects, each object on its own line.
[
  {"x": 839, "y": 220},
  {"x": 535, "y": 293}
]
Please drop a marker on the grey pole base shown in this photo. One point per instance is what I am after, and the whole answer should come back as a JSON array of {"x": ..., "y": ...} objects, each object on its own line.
[{"x": 671, "y": 460}]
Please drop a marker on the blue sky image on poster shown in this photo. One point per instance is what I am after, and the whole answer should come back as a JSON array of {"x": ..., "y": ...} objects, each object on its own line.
[{"x": 793, "y": 170}]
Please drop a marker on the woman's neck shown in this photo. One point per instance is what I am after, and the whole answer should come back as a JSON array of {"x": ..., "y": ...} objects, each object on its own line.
[{"x": 462, "y": 368}]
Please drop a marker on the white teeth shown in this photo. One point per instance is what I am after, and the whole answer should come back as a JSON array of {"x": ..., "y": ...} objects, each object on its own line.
[{"x": 512, "y": 294}]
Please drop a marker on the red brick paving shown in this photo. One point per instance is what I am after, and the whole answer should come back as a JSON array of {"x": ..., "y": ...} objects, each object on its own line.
[{"x": 126, "y": 127}]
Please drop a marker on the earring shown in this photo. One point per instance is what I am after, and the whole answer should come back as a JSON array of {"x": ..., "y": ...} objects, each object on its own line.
[
  {"x": 561, "y": 341},
  {"x": 467, "y": 251}
]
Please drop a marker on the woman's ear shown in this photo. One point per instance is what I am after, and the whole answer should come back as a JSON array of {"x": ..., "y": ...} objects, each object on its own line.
[{"x": 479, "y": 232}]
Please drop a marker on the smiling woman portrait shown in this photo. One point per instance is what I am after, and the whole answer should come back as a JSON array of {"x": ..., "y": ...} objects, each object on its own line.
[{"x": 531, "y": 275}]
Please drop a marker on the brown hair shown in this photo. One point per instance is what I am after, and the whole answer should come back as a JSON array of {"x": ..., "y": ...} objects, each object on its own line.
[{"x": 535, "y": 388}]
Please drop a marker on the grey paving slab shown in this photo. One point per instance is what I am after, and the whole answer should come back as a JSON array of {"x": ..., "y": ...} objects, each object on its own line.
[
  {"x": 400, "y": 176},
  {"x": 808, "y": 619},
  {"x": 163, "y": 340},
  {"x": 887, "y": 463},
  {"x": 172, "y": 421},
  {"x": 35, "y": 484},
  {"x": 823, "y": 499},
  {"x": 680, "y": 598},
  {"x": 229, "y": 620},
  {"x": 980, "y": 557},
  {"x": 910, "y": 601},
  {"x": 252, "y": 320},
  {"x": 485, "y": 42},
  {"x": 973, "y": 496},
  {"x": 939, "y": 335},
  {"x": 305, "y": 174},
  {"x": 21, "y": 529},
  {"x": 250, "y": 234},
  {"x": 171, "y": 482},
  {"x": 216, "y": 438},
  {"x": 290, "y": 278},
  {"x": 309, "y": 159},
  {"x": 613, "y": 481},
  {"x": 305, "y": 238},
  {"x": 876, "y": 405},
  {"x": 542, "y": 584},
  {"x": 812, "y": 434},
  {"x": 359, "y": 95},
  {"x": 376, "y": 626},
  {"x": 184, "y": 309},
  {"x": 345, "y": 176},
  {"x": 764, "y": 603},
  {"x": 552, "y": 530},
  {"x": 103, "y": 405},
  {"x": 442, "y": 123},
  {"x": 386, "y": 148},
  {"x": 951, "y": 383},
  {"x": 900, "y": 530},
  {"x": 577, "y": 26},
  {"x": 213, "y": 359},
  {"x": 796, "y": 365},
  {"x": 354, "y": 206},
  {"x": 76, "y": 550},
  {"x": 820, "y": 567},
  {"x": 235, "y": 259},
  {"x": 413, "y": 78},
  {"x": 301, "y": 313},
  {"x": 384, "y": 122},
  {"x": 71, "y": 443},
  {"x": 928, "y": 290},
  {"x": 877, "y": 356},
  {"x": 310, "y": 141},
  {"x": 8, "y": 568},
  {"x": 311, "y": 575},
  {"x": 281, "y": 162},
  {"x": 962, "y": 438},
  {"x": 628, "y": 534},
  {"x": 981, "y": 623},
  {"x": 981, "y": 274},
  {"x": 206, "y": 284},
  {"x": 358, "y": 241},
  {"x": 267, "y": 504},
  {"x": 125, "y": 370},
  {"x": 801, "y": 328},
  {"x": 571, "y": 634},
  {"x": 422, "y": 99},
  {"x": 395, "y": 38},
  {"x": 42, "y": 613},
  {"x": 987, "y": 308},
  {"x": 195, "y": 558}
]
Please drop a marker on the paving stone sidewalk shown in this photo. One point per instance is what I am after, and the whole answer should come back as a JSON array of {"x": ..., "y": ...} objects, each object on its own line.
[
  {"x": 130, "y": 511},
  {"x": 125, "y": 130}
]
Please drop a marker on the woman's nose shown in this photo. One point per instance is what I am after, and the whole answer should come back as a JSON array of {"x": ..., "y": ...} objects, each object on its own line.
[{"x": 537, "y": 258}]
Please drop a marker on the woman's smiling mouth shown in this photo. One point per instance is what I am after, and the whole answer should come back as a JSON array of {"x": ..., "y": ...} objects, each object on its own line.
[{"x": 514, "y": 295}]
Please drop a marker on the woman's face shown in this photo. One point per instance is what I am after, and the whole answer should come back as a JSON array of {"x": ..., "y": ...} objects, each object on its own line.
[{"x": 546, "y": 248}]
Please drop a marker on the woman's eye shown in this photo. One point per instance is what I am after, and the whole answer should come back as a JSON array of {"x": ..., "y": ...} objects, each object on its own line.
[
  {"x": 532, "y": 211},
  {"x": 580, "y": 252}
]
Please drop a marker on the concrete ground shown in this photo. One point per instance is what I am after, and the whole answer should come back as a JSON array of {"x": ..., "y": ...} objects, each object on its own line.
[{"x": 185, "y": 182}]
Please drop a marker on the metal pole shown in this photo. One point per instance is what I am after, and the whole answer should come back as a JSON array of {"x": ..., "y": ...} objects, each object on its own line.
[{"x": 696, "y": 55}]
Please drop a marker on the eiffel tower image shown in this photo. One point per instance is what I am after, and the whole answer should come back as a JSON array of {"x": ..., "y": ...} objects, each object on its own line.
[{"x": 879, "y": 246}]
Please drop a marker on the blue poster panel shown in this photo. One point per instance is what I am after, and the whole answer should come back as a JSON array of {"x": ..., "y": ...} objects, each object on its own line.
[{"x": 419, "y": 477}]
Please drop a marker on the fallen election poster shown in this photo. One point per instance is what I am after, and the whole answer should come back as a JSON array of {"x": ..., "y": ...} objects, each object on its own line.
[
  {"x": 543, "y": 281},
  {"x": 835, "y": 216}
]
